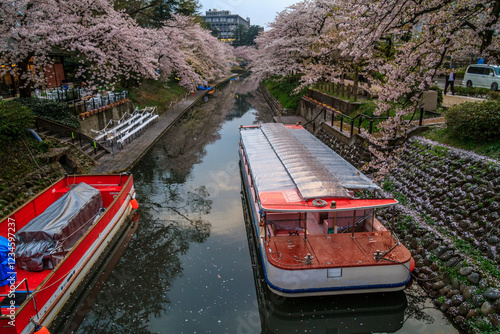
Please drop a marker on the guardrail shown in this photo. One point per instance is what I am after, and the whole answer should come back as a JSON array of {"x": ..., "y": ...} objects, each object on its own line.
[{"x": 66, "y": 131}]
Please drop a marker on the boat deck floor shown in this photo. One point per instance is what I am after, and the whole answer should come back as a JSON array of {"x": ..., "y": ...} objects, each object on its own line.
[
  {"x": 34, "y": 280},
  {"x": 334, "y": 250}
]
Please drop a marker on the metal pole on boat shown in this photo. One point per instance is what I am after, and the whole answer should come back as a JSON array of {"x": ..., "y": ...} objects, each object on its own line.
[
  {"x": 373, "y": 218},
  {"x": 305, "y": 229},
  {"x": 392, "y": 225},
  {"x": 335, "y": 222},
  {"x": 353, "y": 223}
]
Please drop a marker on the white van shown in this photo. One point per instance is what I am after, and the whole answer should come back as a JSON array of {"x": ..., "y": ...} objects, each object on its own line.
[{"x": 487, "y": 76}]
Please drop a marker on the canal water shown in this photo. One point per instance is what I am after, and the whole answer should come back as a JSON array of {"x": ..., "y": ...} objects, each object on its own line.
[{"x": 189, "y": 268}]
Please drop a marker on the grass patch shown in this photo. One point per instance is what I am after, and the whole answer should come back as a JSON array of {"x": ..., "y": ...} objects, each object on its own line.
[
  {"x": 154, "y": 93},
  {"x": 490, "y": 149},
  {"x": 283, "y": 90}
]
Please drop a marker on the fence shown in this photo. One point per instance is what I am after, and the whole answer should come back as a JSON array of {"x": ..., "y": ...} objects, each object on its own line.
[{"x": 91, "y": 102}]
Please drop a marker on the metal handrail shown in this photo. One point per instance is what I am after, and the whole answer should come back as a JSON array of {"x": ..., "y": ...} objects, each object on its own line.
[
  {"x": 25, "y": 280},
  {"x": 342, "y": 116}
]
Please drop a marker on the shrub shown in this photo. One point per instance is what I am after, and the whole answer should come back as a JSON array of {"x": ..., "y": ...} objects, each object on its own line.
[
  {"x": 14, "y": 119},
  {"x": 51, "y": 110},
  {"x": 476, "y": 121},
  {"x": 473, "y": 92},
  {"x": 494, "y": 95}
]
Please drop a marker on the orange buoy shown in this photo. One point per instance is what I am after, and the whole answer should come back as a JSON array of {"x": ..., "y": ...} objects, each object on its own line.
[
  {"x": 41, "y": 329},
  {"x": 134, "y": 203},
  {"x": 412, "y": 264}
]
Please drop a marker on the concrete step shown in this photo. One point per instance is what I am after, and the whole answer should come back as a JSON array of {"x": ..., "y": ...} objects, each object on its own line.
[{"x": 100, "y": 154}]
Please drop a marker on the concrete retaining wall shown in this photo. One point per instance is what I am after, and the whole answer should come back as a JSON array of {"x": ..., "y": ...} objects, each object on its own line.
[{"x": 98, "y": 121}]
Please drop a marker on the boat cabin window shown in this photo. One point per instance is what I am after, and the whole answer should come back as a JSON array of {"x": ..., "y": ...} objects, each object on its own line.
[{"x": 316, "y": 223}]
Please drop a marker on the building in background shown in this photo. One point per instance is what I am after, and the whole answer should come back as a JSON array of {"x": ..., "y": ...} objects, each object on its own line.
[{"x": 224, "y": 22}]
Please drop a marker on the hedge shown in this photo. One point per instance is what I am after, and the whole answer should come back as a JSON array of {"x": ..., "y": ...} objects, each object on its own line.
[
  {"x": 14, "y": 119},
  {"x": 51, "y": 110},
  {"x": 472, "y": 91},
  {"x": 476, "y": 121}
]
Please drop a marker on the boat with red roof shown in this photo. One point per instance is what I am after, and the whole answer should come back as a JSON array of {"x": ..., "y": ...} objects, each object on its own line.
[
  {"x": 50, "y": 244},
  {"x": 316, "y": 234}
]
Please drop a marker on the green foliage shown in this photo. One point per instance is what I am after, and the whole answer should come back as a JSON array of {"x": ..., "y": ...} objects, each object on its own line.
[
  {"x": 51, "y": 110},
  {"x": 473, "y": 92},
  {"x": 15, "y": 118},
  {"x": 155, "y": 13},
  {"x": 43, "y": 146},
  {"x": 400, "y": 197},
  {"x": 490, "y": 149},
  {"x": 283, "y": 89},
  {"x": 388, "y": 185},
  {"x": 493, "y": 95},
  {"x": 245, "y": 36},
  {"x": 476, "y": 121},
  {"x": 151, "y": 93}
]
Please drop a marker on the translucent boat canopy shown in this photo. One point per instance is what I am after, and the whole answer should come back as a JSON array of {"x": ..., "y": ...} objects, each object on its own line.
[{"x": 283, "y": 158}]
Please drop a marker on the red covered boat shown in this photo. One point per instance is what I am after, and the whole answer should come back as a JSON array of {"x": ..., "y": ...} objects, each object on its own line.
[{"x": 50, "y": 244}]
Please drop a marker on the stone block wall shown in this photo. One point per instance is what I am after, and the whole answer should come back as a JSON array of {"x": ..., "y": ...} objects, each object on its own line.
[
  {"x": 356, "y": 154},
  {"x": 449, "y": 219}
]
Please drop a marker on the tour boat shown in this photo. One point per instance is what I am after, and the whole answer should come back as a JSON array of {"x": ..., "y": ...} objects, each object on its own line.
[
  {"x": 313, "y": 215},
  {"x": 55, "y": 240}
]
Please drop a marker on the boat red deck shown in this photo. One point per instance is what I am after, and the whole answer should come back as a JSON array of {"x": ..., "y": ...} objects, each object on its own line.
[{"x": 334, "y": 250}]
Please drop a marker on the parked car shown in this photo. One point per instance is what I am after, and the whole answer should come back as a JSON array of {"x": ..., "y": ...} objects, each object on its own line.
[{"x": 479, "y": 75}]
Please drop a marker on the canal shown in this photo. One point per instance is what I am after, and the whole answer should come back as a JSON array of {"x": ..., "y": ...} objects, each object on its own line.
[{"x": 189, "y": 268}]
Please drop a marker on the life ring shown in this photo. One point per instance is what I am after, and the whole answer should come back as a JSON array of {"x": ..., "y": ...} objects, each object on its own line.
[{"x": 319, "y": 202}]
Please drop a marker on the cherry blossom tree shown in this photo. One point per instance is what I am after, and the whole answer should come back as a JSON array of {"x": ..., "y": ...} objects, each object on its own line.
[
  {"x": 110, "y": 41},
  {"x": 422, "y": 36},
  {"x": 110, "y": 44},
  {"x": 247, "y": 53},
  {"x": 191, "y": 52},
  {"x": 288, "y": 45},
  {"x": 402, "y": 45}
]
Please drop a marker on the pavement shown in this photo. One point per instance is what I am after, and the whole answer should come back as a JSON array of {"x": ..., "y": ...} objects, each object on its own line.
[{"x": 124, "y": 159}]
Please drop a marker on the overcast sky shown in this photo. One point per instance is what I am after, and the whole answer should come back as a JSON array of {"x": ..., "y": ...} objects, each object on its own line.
[{"x": 260, "y": 12}]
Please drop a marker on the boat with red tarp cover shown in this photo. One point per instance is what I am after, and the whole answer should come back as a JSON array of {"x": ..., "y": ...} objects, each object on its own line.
[
  {"x": 53, "y": 241},
  {"x": 317, "y": 234}
]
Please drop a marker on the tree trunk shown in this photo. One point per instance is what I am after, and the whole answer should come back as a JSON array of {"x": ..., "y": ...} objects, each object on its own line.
[
  {"x": 25, "y": 85},
  {"x": 356, "y": 79}
]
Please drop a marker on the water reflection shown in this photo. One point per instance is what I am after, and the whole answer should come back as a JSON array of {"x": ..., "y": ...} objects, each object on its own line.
[
  {"x": 188, "y": 267},
  {"x": 174, "y": 216}
]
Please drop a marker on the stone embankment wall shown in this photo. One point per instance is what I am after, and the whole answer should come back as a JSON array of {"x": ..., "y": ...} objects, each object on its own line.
[
  {"x": 356, "y": 154},
  {"x": 451, "y": 224},
  {"x": 449, "y": 219},
  {"x": 275, "y": 105},
  {"x": 98, "y": 121}
]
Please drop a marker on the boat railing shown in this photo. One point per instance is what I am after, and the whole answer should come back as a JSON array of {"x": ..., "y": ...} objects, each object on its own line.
[
  {"x": 352, "y": 228},
  {"x": 28, "y": 293}
]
